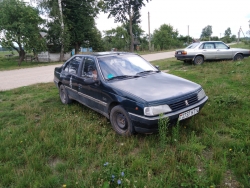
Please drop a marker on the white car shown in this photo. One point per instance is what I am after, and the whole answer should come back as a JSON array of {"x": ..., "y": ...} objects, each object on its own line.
[{"x": 198, "y": 52}]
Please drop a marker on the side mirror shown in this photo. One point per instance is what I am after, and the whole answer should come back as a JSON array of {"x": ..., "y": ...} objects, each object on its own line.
[{"x": 157, "y": 66}]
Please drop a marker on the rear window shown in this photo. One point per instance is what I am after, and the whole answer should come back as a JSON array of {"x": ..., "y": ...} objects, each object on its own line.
[{"x": 193, "y": 45}]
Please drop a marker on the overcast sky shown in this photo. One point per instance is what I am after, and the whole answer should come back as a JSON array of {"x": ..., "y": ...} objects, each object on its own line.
[{"x": 196, "y": 14}]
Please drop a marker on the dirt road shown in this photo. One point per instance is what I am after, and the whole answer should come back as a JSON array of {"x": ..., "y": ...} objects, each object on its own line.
[{"x": 28, "y": 76}]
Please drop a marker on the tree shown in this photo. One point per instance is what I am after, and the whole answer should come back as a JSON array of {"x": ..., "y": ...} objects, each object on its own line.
[
  {"x": 206, "y": 32},
  {"x": 165, "y": 37},
  {"x": 20, "y": 25},
  {"x": 125, "y": 11},
  {"x": 228, "y": 32},
  {"x": 79, "y": 24},
  {"x": 116, "y": 38}
]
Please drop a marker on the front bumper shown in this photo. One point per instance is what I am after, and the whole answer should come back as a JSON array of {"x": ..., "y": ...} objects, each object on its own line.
[{"x": 143, "y": 124}]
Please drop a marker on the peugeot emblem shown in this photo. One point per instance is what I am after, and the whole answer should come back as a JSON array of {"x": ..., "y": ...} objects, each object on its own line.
[{"x": 186, "y": 102}]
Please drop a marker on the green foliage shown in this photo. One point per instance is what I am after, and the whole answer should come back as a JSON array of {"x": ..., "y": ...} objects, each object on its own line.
[
  {"x": 228, "y": 32},
  {"x": 20, "y": 24},
  {"x": 163, "y": 130},
  {"x": 79, "y": 24},
  {"x": 166, "y": 37},
  {"x": 125, "y": 11},
  {"x": 206, "y": 32},
  {"x": 116, "y": 38}
]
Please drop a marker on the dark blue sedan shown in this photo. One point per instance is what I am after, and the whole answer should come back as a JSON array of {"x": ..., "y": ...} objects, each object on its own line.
[{"x": 128, "y": 90}]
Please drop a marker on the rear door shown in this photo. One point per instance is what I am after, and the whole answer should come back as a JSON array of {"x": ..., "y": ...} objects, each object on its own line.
[
  {"x": 69, "y": 76},
  {"x": 91, "y": 94},
  {"x": 208, "y": 50}
]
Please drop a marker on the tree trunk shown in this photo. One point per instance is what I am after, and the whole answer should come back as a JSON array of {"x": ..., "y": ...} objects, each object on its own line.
[
  {"x": 21, "y": 56},
  {"x": 62, "y": 32},
  {"x": 131, "y": 31},
  {"x": 77, "y": 48}
]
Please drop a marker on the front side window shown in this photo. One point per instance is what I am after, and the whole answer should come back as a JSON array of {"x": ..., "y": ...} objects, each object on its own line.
[
  {"x": 73, "y": 65},
  {"x": 89, "y": 68}
]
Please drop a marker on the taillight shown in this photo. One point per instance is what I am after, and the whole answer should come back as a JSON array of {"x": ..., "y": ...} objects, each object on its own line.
[{"x": 184, "y": 53}]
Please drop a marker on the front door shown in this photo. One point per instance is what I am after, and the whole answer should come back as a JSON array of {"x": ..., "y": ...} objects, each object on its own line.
[
  {"x": 90, "y": 94},
  {"x": 223, "y": 51}
]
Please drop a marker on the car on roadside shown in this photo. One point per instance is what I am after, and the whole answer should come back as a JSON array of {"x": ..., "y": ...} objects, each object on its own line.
[
  {"x": 198, "y": 52},
  {"x": 128, "y": 90}
]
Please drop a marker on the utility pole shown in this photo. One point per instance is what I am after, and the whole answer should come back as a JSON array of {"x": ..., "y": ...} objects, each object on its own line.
[
  {"x": 149, "y": 36},
  {"x": 62, "y": 30},
  {"x": 188, "y": 34}
]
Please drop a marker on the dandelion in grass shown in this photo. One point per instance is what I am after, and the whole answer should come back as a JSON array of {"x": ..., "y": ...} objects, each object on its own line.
[
  {"x": 119, "y": 182},
  {"x": 64, "y": 185},
  {"x": 230, "y": 149}
]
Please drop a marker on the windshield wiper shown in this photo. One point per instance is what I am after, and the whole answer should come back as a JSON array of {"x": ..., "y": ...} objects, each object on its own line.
[
  {"x": 122, "y": 77},
  {"x": 148, "y": 71}
]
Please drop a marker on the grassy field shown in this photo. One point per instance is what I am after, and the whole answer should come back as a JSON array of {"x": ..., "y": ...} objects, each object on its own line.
[{"x": 47, "y": 144}]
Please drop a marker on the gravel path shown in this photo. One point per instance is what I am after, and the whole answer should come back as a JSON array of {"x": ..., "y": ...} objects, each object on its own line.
[{"x": 28, "y": 76}]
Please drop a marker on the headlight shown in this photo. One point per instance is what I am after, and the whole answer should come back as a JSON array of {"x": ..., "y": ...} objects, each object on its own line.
[
  {"x": 156, "y": 110},
  {"x": 201, "y": 95}
]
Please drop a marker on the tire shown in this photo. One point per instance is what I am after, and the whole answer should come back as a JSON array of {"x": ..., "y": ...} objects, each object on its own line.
[
  {"x": 121, "y": 122},
  {"x": 198, "y": 60},
  {"x": 64, "y": 95},
  {"x": 238, "y": 57}
]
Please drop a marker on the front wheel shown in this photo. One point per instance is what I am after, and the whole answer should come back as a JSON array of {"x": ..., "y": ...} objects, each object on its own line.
[
  {"x": 198, "y": 60},
  {"x": 121, "y": 122},
  {"x": 238, "y": 57},
  {"x": 64, "y": 95}
]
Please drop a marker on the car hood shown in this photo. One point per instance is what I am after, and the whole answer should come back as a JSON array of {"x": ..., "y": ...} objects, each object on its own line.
[{"x": 155, "y": 87}]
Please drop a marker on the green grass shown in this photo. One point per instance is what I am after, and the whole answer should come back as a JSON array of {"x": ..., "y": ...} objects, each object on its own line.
[
  {"x": 10, "y": 63},
  {"x": 47, "y": 144}
]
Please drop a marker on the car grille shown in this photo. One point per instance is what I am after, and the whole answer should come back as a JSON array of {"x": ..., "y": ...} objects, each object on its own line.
[{"x": 184, "y": 103}]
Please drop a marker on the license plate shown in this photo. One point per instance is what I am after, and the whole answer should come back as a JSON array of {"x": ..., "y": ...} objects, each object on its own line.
[
  {"x": 189, "y": 113},
  {"x": 178, "y": 52}
]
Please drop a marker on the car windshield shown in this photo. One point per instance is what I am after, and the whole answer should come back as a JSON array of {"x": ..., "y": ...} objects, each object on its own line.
[
  {"x": 193, "y": 45},
  {"x": 124, "y": 66}
]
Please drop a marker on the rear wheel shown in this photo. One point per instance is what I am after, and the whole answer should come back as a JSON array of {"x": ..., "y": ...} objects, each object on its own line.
[
  {"x": 238, "y": 57},
  {"x": 64, "y": 95},
  {"x": 121, "y": 122},
  {"x": 198, "y": 60}
]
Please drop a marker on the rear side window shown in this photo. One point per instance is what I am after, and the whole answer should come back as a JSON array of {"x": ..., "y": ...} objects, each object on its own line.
[
  {"x": 207, "y": 46},
  {"x": 73, "y": 65},
  {"x": 192, "y": 46}
]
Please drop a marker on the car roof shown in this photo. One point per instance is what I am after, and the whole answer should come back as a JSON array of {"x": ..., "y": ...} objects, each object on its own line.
[{"x": 98, "y": 54}]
